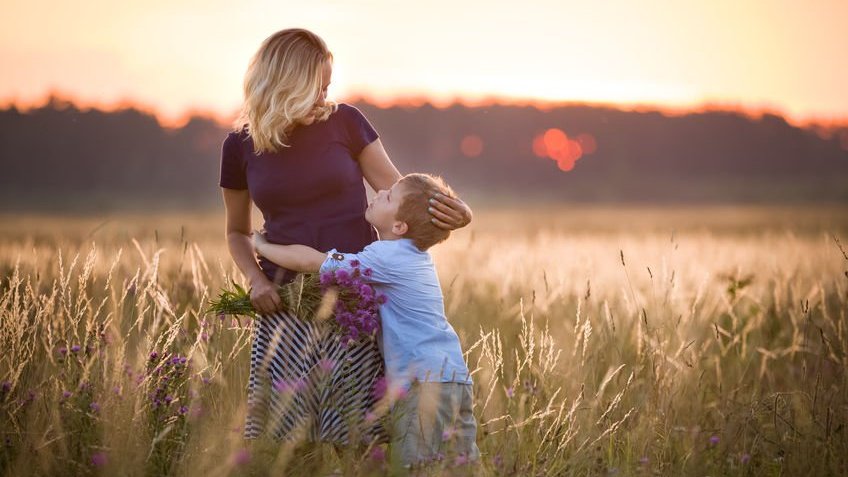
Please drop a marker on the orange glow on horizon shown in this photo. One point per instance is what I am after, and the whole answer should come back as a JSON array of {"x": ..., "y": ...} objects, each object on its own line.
[
  {"x": 170, "y": 57},
  {"x": 164, "y": 120},
  {"x": 822, "y": 126}
]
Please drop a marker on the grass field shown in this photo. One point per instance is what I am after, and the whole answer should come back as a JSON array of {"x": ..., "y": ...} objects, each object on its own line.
[{"x": 604, "y": 341}]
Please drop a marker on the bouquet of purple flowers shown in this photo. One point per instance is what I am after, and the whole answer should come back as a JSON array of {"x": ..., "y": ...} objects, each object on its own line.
[
  {"x": 343, "y": 293},
  {"x": 356, "y": 307}
]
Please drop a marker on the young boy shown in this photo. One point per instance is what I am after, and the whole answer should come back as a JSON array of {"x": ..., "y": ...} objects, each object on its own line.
[{"x": 421, "y": 350}]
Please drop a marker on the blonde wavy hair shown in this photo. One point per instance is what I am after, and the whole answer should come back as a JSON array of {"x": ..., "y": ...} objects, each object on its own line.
[{"x": 282, "y": 86}]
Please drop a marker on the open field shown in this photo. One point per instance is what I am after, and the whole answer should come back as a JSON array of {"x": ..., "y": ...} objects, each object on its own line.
[{"x": 605, "y": 341}]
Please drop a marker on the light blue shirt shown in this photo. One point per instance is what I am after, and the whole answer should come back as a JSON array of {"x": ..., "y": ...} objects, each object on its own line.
[{"x": 418, "y": 342}]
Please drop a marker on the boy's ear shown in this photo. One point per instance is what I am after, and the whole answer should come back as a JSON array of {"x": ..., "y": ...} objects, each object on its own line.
[{"x": 400, "y": 228}]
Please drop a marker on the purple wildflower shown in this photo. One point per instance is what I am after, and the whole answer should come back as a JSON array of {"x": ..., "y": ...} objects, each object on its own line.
[
  {"x": 644, "y": 460},
  {"x": 342, "y": 276},
  {"x": 365, "y": 291},
  {"x": 510, "y": 392},
  {"x": 399, "y": 392},
  {"x": 284, "y": 386},
  {"x": 153, "y": 355},
  {"x": 63, "y": 351},
  {"x": 6, "y": 387},
  {"x": 745, "y": 458},
  {"x": 99, "y": 459},
  {"x": 497, "y": 460},
  {"x": 356, "y": 310},
  {"x": 379, "y": 389},
  {"x": 241, "y": 457},
  {"x": 354, "y": 263},
  {"x": 95, "y": 408},
  {"x": 326, "y": 365},
  {"x": 714, "y": 440},
  {"x": 461, "y": 459},
  {"x": 377, "y": 454},
  {"x": 448, "y": 433},
  {"x": 183, "y": 409},
  {"x": 66, "y": 395},
  {"x": 75, "y": 349}
]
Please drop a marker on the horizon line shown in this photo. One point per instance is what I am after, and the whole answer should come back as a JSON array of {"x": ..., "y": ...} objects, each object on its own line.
[{"x": 422, "y": 100}]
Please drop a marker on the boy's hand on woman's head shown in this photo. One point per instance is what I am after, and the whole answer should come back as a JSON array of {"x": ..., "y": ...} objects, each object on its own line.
[{"x": 449, "y": 213}]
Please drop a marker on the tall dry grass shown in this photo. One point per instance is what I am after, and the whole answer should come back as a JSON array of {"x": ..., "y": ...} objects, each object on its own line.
[{"x": 708, "y": 342}]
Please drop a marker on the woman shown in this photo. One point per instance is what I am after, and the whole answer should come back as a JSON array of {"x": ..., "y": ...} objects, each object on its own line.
[{"x": 302, "y": 160}]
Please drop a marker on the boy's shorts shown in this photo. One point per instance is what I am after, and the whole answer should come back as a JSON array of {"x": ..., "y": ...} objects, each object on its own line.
[{"x": 434, "y": 421}]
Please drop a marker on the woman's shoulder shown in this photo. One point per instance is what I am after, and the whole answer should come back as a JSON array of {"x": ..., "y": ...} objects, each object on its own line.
[
  {"x": 348, "y": 111},
  {"x": 237, "y": 139},
  {"x": 238, "y": 135}
]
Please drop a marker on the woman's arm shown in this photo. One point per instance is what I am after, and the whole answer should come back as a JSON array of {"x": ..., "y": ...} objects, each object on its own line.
[
  {"x": 377, "y": 168},
  {"x": 263, "y": 293},
  {"x": 381, "y": 173},
  {"x": 299, "y": 258}
]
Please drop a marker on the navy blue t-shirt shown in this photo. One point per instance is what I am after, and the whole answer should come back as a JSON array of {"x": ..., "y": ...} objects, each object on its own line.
[{"x": 310, "y": 193}]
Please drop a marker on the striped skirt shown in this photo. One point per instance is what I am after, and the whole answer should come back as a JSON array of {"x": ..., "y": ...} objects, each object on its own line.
[{"x": 305, "y": 384}]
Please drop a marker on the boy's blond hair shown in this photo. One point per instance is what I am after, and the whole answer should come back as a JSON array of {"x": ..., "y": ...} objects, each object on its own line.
[{"x": 418, "y": 189}]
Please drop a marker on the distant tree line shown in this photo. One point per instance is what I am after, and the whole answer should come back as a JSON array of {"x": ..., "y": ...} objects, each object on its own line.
[{"x": 61, "y": 157}]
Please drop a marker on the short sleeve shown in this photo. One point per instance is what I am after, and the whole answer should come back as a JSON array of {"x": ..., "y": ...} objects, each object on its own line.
[
  {"x": 233, "y": 170},
  {"x": 372, "y": 266},
  {"x": 360, "y": 132}
]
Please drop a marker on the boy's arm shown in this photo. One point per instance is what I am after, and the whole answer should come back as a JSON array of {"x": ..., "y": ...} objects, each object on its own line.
[
  {"x": 299, "y": 258},
  {"x": 373, "y": 267}
]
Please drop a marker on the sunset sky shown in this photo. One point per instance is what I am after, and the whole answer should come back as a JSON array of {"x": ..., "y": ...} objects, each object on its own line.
[{"x": 174, "y": 57}]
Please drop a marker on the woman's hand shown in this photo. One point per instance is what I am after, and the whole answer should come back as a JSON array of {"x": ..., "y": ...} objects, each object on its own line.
[
  {"x": 264, "y": 296},
  {"x": 263, "y": 293},
  {"x": 449, "y": 213}
]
